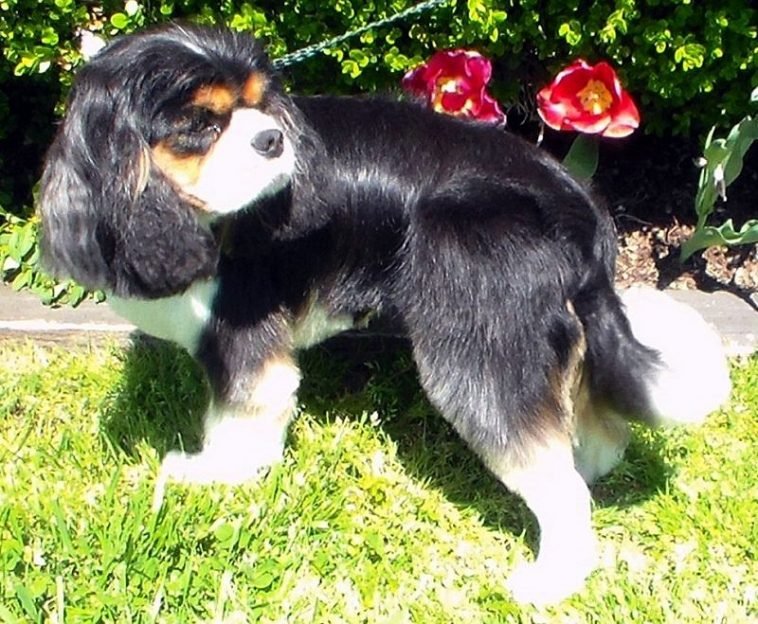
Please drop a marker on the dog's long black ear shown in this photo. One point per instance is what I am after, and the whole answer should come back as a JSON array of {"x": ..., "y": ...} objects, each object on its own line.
[{"x": 110, "y": 220}]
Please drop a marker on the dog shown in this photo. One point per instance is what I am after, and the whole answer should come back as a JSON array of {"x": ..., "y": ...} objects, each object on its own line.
[{"x": 220, "y": 213}]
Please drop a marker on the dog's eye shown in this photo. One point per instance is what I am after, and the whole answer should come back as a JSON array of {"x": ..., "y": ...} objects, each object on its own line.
[
  {"x": 212, "y": 128},
  {"x": 202, "y": 123},
  {"x": 194, "y": 131}
]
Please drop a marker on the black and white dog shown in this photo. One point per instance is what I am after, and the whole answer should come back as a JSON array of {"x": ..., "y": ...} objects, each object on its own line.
[{"x": 243, "y": 224}]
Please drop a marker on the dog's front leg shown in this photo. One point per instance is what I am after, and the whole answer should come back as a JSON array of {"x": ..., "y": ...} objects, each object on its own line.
[{"x": 246, "y": 424}]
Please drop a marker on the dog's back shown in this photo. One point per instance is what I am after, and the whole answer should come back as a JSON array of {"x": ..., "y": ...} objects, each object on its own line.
[{"x": 506, "y": 228}]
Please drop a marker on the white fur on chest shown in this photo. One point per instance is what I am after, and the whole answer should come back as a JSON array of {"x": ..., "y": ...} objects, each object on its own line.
[
  {"x": 180, "y": 319},
  {"x": 317, "y": 324}
]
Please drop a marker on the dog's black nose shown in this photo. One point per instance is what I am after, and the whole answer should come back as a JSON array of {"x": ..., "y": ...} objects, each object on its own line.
[{"x": 268, "y": 143}]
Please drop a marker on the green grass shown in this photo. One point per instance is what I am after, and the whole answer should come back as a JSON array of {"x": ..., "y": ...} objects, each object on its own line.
[{"x": 378, "y": 513}]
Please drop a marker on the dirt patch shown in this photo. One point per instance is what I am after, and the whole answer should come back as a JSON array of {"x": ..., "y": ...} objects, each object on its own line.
[{"x": 649, "y": 185}]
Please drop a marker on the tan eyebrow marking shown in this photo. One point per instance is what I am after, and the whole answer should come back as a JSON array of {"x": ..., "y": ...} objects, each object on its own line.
[
  {"x": 217, "y": 98},
  {"x": 253, "y": 89}
]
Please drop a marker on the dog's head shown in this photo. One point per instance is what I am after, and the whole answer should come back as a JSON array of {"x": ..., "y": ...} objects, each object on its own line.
[{"x": 165, "y": 132}]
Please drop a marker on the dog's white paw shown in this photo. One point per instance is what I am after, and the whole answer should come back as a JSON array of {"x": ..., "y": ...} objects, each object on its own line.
[
  {"x": 541, "y": 585},
  {"x": 549, "y": 581},
  {"x": 214, "y": 464},
  {"x": 235, "y": 450}
]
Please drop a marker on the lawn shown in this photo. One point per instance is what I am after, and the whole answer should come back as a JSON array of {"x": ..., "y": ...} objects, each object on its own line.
[{"x": 378, "y": 514}]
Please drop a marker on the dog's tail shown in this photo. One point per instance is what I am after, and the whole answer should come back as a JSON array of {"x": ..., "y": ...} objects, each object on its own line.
[{"x": 653, "y": 359}]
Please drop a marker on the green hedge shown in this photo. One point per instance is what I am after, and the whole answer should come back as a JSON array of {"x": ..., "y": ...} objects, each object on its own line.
[{"x": 690, "y": 64}]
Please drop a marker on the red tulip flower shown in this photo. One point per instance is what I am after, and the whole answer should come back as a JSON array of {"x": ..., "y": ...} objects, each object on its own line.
[
  {"x": 455, "y": 82},
  {"x": 589, "y": 99}
]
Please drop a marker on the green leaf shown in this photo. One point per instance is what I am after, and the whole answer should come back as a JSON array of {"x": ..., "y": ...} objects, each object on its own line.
[
  {"x": 351, "y": 68},
  {"x": 119, "y": 20},
  {"x": 6, "y": 615},
  {"x": 571, "y": 31},
  {"x": 225, "y": 533},
  {"x": 582, "y": 157},
  {"x": 375, "y": 541},
  {"x": 49, "y": 37},
  {"x": 24, "y": 597},
  {"x": 725, "y": 234},
  {"x": 26, "y": 241},
  {"x": 22, "y": 280},
  {"x": 10, "y": 264},
  {"x": 262, "y": 579},
  {"x": 709, "y": 138},
  {"x": 76, "y": 295},
  {"x": 723, "y": 164}
]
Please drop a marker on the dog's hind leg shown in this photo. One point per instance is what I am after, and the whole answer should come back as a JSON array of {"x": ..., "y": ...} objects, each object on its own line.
[
  {"x": 600, "y": 437},
  {"x": 517, "y": 414},
  {"x": 532, "y": 454},
  {"x": 546, "y": 479}
]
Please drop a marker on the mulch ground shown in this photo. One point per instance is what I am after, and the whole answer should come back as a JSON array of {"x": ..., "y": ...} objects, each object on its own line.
[{"x": 649, "y": 186}]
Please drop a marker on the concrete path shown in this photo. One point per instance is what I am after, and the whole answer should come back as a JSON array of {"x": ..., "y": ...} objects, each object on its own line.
[{"x": 22, "y": 316}]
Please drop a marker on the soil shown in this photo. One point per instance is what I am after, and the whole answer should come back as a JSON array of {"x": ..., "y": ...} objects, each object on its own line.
[{"x": 649, "y": 186}]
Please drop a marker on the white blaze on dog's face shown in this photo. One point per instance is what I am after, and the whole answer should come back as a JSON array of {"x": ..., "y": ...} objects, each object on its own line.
[
  {"x": 223, "y": 151},
  {"x": 250, "y": 159}
]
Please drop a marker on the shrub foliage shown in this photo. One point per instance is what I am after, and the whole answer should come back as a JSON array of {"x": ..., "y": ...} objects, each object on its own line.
[{"x": 689, "y": 64}]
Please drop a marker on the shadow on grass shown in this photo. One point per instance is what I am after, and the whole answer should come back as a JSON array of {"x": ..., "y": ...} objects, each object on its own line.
[
  {"x": 163, "y": 395},
  {"x": 160, "y": 400},
  {"x": 356, "y": 375}
]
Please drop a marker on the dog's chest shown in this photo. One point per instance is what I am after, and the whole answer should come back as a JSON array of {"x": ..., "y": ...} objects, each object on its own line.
[
  {"x": 315, "y": 324},
  {"x": 180, "y": 319}
]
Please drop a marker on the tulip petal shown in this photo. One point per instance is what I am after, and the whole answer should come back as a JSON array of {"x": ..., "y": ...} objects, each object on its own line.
[
  {"x": 490, "y": 110},
  {"x": 553, "y": 114},
  {"x": 607, "y": 75},
  {"x": 415, "y": 81},
  {"x": 570, "y": 85},
  {"x": 479, "y": 69},
  {"x": 626, "y": 111},
  {"x": 590, "y": 124},
  {"x": 453, "y": 102},
  {"x": 588, "y": 99},
  {"x": 618, "y": 131},
  {"x": 579, "y": 65}
]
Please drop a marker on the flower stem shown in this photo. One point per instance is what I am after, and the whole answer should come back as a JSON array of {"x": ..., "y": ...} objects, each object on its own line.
[{"x": 581, "y": 159}]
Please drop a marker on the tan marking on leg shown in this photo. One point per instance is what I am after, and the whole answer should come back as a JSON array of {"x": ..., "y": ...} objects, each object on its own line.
[
  {"x": 313, "y": 324},
  {"x": 600, "y": 438},
  {"x": 572, "y": 378},
  {"x": 566, "y": 384},
  {"x": 274, "y": 388},
  {"x": 599, "y": 435}
]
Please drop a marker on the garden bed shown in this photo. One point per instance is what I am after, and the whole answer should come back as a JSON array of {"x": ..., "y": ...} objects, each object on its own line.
[{"x": 649, "y": 184}]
